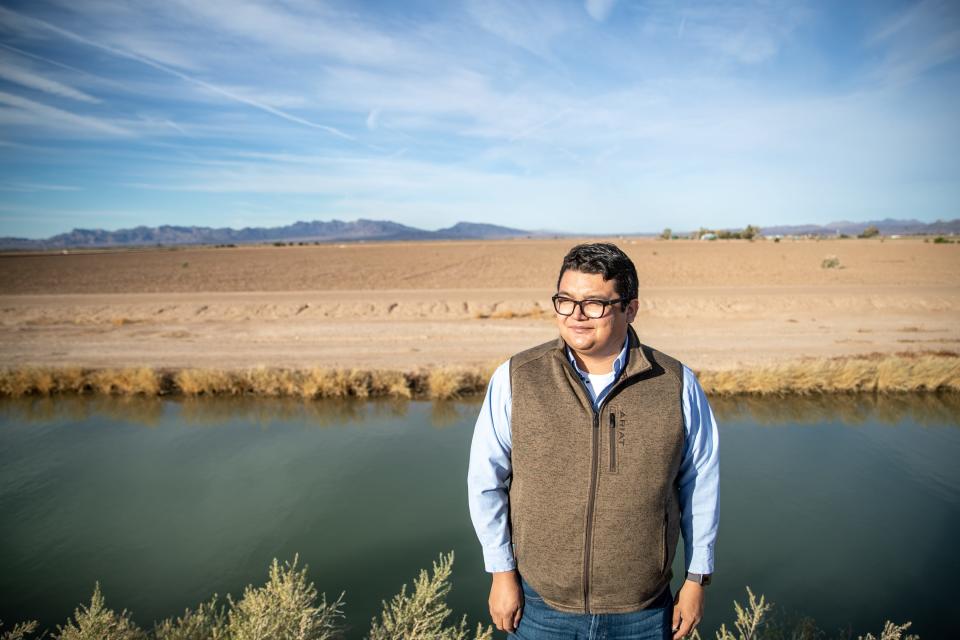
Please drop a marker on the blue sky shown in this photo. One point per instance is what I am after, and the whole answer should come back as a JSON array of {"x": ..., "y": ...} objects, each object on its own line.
[{"x": 601, "y": 116}]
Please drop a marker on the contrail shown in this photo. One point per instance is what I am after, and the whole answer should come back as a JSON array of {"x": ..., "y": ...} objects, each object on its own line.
[{"x": 161, "y": 67}]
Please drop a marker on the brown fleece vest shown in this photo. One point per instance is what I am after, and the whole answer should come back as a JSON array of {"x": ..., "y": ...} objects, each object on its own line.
[{"x": 594, "y": 503}]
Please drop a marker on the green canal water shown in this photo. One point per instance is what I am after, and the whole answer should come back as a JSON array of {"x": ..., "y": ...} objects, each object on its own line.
[{"x": 845, "y": 509}]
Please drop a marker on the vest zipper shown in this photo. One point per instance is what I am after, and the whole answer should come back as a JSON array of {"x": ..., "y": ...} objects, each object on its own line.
[
  {"x": 613, "y": 441},
  {"x": 664, "y": 538},
  {"x": 594, "y": 466},
  {"x": 594, "y": 463}
]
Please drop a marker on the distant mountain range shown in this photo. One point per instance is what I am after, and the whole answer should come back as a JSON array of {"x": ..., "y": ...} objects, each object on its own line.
[
  {"x": 314, "y": 231},
  {"x": 378, "y": 230},
  {"x": 887, "y": 227}
]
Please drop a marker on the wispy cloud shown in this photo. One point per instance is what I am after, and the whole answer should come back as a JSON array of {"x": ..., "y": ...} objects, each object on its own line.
[
  {"x": 30, "y": 111},
  {"x": 306, "y": 28},
  {"x": 33, "y": 80},
  {"x": 532, "y": 26},
  {"x": 43, "y": 25},
  {"x": 922, "y": 37},
  {"x": 30, "y": 187}
]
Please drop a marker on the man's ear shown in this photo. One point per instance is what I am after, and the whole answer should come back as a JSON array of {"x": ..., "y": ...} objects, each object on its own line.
[{"x": 632, "y": 307}]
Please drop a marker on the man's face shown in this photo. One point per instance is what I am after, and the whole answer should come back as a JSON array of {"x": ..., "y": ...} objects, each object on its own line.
[{"x": 600, "y": 336}]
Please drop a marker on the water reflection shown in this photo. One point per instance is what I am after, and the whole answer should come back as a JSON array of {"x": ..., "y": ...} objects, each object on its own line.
[
  {"x": 214, "y": 411},
  {"x": 925, "y": 409}
]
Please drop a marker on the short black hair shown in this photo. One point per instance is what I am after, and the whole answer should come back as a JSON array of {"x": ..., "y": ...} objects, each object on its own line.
[{"x": 608, "y": 260}]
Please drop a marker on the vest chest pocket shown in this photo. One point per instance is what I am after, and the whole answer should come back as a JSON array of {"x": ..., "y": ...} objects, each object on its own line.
[
  {"x": 616, "y": 440},
  {"x": 613, "y": 442}
]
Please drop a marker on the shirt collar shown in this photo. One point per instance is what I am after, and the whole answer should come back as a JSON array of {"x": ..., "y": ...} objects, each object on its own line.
[{"x": 618, "y": 364}]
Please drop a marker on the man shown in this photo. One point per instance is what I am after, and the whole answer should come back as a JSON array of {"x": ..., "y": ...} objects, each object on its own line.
[{"x": 591, "y": 453}]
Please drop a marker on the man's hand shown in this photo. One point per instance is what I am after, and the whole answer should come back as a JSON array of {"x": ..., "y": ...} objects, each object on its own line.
[
  {"x": 687, "y": 609},
  {"x": 506, "y": 600}
]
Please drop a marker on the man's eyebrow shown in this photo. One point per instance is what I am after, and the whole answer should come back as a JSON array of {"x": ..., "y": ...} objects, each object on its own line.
[{"x": 589, "y": 296}]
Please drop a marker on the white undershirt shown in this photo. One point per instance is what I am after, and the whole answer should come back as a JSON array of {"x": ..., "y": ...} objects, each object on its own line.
[{"x": 599, "y": 382}]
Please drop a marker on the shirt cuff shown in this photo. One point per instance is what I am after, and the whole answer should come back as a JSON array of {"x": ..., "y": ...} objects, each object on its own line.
[
  {"x": 499, "y": 558},
  {"x": 700, "y": 560}
]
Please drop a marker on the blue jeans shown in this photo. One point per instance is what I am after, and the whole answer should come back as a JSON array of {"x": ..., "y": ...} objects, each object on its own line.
[{"x": 540, "y": 621}]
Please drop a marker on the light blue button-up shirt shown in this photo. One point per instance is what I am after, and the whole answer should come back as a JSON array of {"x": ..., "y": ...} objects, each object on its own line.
[{"x": 490, "y": 468}]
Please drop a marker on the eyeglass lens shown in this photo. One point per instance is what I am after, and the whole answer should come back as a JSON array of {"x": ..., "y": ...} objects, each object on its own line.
[{"x": 591, "y": 308}]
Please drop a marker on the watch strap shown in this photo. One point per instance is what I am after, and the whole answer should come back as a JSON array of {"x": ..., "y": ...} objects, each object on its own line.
[{"x": 703, "y": 579}]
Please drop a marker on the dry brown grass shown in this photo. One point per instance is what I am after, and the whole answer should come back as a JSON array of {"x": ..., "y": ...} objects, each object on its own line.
[
  {"x": 195, "y": 382},
  {"x": 60, "y": 380},
  {"x": 939, "y": 371},
  {"x": 448, "y": 383},
  {"x": 126, "y": 382},
  {"x": 877, "y": 373}
]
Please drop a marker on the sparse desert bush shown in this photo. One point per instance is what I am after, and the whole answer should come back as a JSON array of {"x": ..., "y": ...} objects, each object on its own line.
[
  {"x": 830, "y": 262},
  {"x": 420, "y": 616},
  {"x": 753, "y": 623},
  {"x": 206, "y": 623},
  {"x": 285, "y": 607},
  {"x": 288, "y": 607},
  {"x": 20, "y": 631},
  {"x": 97, "y": 622}
]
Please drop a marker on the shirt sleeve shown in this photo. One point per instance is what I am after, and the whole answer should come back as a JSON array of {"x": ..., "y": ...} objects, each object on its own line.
[
  {"x": 699, "y": 478},
  {"x": 488, "y": 472}
]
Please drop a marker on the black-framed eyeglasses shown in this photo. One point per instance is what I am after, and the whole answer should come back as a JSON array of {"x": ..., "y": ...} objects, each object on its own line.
[{"x": 593, "y": 309}]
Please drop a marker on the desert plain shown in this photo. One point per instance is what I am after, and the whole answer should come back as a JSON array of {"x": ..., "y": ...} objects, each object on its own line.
[{"x": 724, "y": 305}]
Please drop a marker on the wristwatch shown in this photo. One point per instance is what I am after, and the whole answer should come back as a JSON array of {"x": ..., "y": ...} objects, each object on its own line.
[{"x": 702, "y": 579}]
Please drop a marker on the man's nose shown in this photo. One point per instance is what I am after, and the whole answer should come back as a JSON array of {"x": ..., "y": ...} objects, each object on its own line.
[{"x": 578, "y": 313}]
